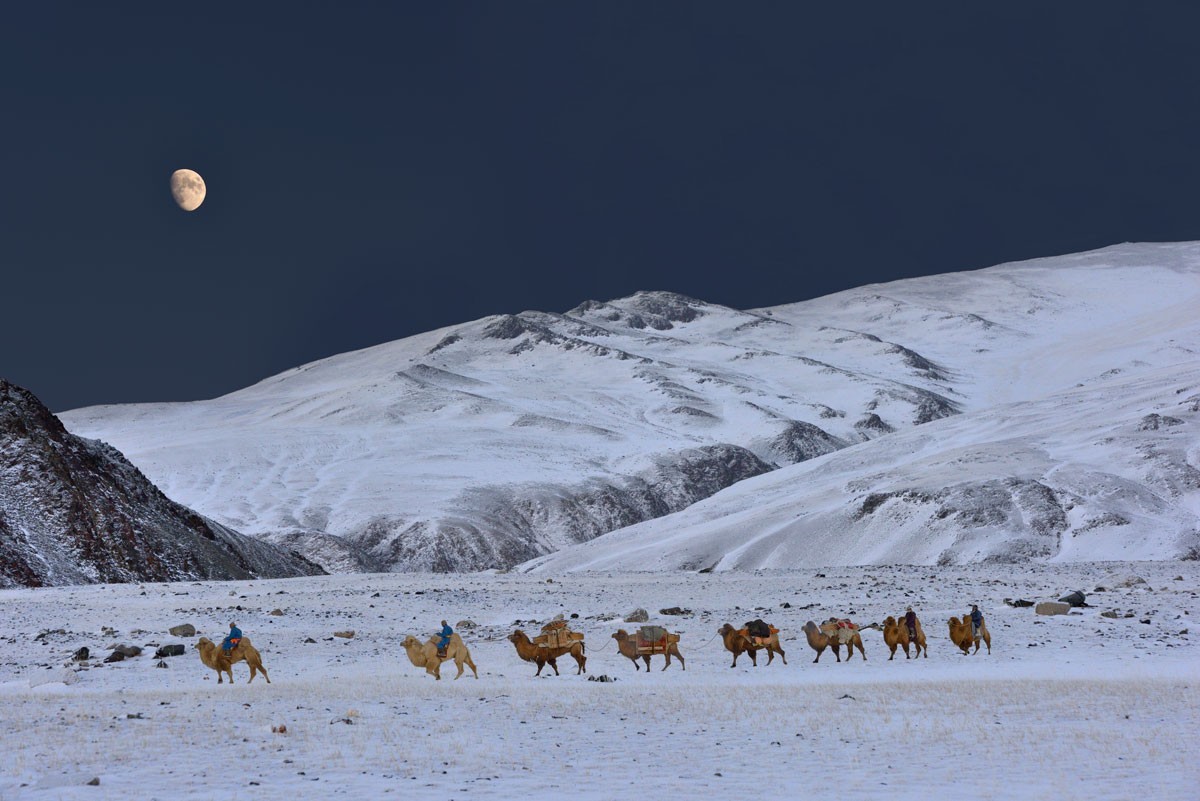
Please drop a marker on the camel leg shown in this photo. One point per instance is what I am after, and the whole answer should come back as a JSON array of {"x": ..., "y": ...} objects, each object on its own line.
[
  {"x": 735, "y": 656},
  {"x": 753, "y": 657},
  {"x": 554, "y": 664},
  {"x": 253, "y": 672},
  {"x": 782, "y": 655},
  {"x": 458, "y": 661}
]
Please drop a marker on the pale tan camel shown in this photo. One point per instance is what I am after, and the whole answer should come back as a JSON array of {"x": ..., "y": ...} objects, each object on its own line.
[
  {"x": 819, "y": 641},
  {"x": 214, "y": 657},
  {"x": 628, "y": 646},
  {"x": 960, "y": 634},
  {"x": 846, "y": 637},
  {"x": 739, "y": 641},
  {"x": 426, "y": 655},
  {"x": 544, "y": 655},
  {"x": 895, "y": 634}
]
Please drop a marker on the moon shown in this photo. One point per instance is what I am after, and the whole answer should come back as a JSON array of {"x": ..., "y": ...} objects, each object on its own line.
[{"x": 187, "y": 187}]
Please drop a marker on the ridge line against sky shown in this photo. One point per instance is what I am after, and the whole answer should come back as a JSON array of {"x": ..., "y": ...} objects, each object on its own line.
[{"x": 377, "y": 172}]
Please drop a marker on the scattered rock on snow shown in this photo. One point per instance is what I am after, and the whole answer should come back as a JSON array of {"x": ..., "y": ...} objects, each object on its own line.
[
  {"x": 183, "y": 630},
  {"x": 1019, "y": 603},
  {"x": 1076, "y": 598},
  {"x": 637, "y": 616},
  {"x": 81, "y": 655},
  {"x": 169, "y": 650},
  {"x": 275, "y": 612},
  {"x": 344, "y": 634},
  {"x": 674, "y": 610},
  {"x": 1052, "y": 608}
]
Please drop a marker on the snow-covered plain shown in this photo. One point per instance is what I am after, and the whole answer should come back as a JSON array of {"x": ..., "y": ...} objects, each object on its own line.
[{"x": 1077, "y": 706}]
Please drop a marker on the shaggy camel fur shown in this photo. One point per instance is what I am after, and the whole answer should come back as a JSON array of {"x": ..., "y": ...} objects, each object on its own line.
[
  {"x": 215, "y": 658},
  {"x": 960, "y": 634},
  {"x": 627, "y": 645},
  {"x": 543, "y": 655},
  {"x": 739, "y": 641},
  {"x": 819, "y": 641},
  {"x": 426, "y": 655},
  {"x": 826, "y": 636},
  {"x": 896, "y": 635}
]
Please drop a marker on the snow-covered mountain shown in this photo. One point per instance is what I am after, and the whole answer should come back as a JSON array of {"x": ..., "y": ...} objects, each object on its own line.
[
  {"x": 73, "y": 511},
  {"x": 489, "y": 443}
]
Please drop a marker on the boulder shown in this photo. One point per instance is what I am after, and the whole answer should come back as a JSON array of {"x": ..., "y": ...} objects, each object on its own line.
[
  {"x": 674, "y": 610},
  {"x": 1052, "y": 608},
  {"x": 127, "y": 650},
  {"x": 115, "y": 656},
  {"x": 465, "y": 624},
  {"x": 1111, "y": 613},
  {"x": 183, "y": 630},
  {"x": 1125, "y": 581},
  {"x": 1020, "y": 603},
  {"x": 81, "y": 655},
  {"x": 637, "y": 616},
  {"x": 1076, "y": 598},
  {"x": 275, "y": 612},
  {"x": 169, "y": 650},
  {"x": 344, "y": 634}
]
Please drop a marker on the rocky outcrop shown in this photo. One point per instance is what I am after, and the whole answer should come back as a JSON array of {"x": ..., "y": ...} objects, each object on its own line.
[
  {"x": 75, "y": 511},
  {"x": 510, "y": 525}
]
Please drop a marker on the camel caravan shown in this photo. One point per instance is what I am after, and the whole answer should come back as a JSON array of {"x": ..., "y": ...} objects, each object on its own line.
[{"x": 556, "y": 640}]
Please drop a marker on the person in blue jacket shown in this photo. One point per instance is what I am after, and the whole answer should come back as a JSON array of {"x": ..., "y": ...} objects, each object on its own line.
[
  {"x": 442, "y": 643},
  {"x": 976, "y": 622},
  {"x": 232, "y": 639}
]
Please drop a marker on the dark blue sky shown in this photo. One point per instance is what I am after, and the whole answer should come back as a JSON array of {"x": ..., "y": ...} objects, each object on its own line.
[{"x": 390, "y": 168}]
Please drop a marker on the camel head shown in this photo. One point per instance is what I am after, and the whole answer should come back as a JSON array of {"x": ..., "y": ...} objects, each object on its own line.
[
  {"x": 203, "y": 641},
  {"x": 725, "y": 629},
  {"x": 410, "y": 641},
  {"x": 621, "y": 635},
  {"x": 890, "y": 621},
  {"x": 810, "y": 626},
  {"x": 517, "y": 636}
]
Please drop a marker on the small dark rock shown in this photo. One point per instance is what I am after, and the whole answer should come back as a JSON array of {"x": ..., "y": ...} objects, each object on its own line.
[
  {"x": 94, "y": 782},
  {"x": 81, "y": 655},
  {"x": 1076, "y": 598},
  {"x": 161, "y": 664}
]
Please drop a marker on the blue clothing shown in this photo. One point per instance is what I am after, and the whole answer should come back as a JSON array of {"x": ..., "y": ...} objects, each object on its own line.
[
  {"x": 446, "y": 632},
  {"x": 234, "y": 637},
  {"x": 977, "y": 618}
]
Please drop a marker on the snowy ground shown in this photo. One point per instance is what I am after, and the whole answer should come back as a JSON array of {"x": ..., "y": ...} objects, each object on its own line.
[{"x": 1065, "y": 707}]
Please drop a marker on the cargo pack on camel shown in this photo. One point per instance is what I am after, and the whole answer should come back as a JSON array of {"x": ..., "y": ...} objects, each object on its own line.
[
  {"x": 648, "y": 641},
  {"x": 748, "y": 640},
  {"x": 555, "y": 640}
]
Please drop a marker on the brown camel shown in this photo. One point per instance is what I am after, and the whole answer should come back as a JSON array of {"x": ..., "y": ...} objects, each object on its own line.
[
  {"x": 739, "y": 641},
  {"x": 819, "y": 641},
  {"x": 542, "y": 655},
  {"x": 426, "y": 655},
  {"x": 848, "y": 637},
  {"x": 628, "y": 646},
  {"x": 960, "y": 635},
  {"x": 895, "y": 634},
  {"x": 214, "y": 657}
]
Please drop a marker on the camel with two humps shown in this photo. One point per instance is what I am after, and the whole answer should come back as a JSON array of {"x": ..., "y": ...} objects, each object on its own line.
[
  {"x": 627, "y": 646},
  {"x": 542, "y": 655},
  {"x": 826, "y": 636},
  {"x": 896, "y": 635},
  {"x": 739, "y": 641},
  {"x": 425, "y": 655},
  {"x": 960, "y": 634},
  {"x": 215, "y": 657}
]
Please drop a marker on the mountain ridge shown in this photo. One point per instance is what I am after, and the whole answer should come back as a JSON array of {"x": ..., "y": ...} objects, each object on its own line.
[{"x": 414, "y": 454}]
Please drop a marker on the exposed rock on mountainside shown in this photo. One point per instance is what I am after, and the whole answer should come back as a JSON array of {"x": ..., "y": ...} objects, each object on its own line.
[
  {"x": 74, "y": 511},
  {"x": 484, "y": 443}
]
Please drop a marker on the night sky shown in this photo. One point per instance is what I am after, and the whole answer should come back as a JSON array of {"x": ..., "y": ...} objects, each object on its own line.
[{"x": 379, "y": 170}]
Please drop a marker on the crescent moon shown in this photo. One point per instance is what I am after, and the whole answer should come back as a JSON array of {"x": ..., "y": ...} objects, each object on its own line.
[{"x": 187, "y": 187}]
